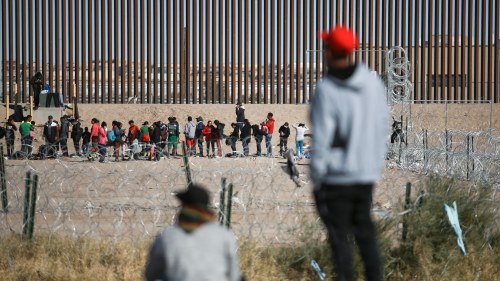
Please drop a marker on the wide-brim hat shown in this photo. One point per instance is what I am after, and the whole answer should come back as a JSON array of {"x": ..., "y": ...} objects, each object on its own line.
[{"x": 194, "y": 194}]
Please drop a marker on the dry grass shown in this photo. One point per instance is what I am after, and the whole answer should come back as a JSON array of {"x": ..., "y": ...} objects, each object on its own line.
[{"x": 430, "y": 253}]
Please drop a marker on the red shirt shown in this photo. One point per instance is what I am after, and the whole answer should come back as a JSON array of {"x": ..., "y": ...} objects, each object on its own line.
[
  {"x": 133, "y": 132},
  {"x": 270, "y": 125},
  {"x": 94, "y": 131}
]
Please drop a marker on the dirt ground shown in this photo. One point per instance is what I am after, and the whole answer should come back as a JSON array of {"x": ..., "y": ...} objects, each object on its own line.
[{"x": 135, "y": 199}]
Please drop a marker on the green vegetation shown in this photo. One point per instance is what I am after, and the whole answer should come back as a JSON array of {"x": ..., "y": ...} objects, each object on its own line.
[{"x": 429, "y": 253}]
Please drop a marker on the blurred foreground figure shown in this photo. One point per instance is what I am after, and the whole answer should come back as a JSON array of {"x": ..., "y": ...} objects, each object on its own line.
[
  {"x": 349, "y": 119},
  {"x": 197, "y": 247}
]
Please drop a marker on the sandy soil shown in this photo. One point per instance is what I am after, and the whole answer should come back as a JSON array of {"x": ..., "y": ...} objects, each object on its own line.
[{"x": 135, "y": 199}]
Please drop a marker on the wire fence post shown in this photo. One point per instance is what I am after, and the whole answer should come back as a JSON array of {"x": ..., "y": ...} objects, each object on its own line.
[
  {"x": 31, "y": 225},
  {"x": 407, "y": 207},
  {"x": 468, "y": 156},
  {"x": 26, "y": 210},
  {"x": 221, "y": 200},
  {"x": 186, "y": 164},
  {"x": 229, "y": 204},
  {"x": 3, "y": 182}
]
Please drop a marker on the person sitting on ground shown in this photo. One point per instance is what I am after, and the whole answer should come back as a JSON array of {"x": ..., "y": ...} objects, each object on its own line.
[{"x": 196, "y": 247}]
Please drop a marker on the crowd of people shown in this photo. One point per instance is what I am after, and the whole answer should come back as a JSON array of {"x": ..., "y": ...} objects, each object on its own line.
[{"x": 202, "y": 139}]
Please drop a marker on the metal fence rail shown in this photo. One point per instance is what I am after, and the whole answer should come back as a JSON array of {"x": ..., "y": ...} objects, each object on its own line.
[{"x": 216, "y": 51}]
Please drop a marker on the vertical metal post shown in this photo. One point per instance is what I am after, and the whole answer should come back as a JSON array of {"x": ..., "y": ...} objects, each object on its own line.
[
  {"x": 89, "y": 53},
  {"x": 97, "y": 50},
  {"x": 123, "y": 49},
  {"x": 229, "y": 205},
  {"x": 222, "y": 195},
  {"x": 169, "y": 39},
  {"x": 26, "y": 209},
  {"x": 3, "y": 182},
  {"x": 279, "y": 82},
  {"x": 240, "y": 49},
  {"x": 31, "y": 224},
  {"x": 67, "y": 86},
  {"x": 148, "y": 55},
  {"x": 162, "y": 51},
  {"x": 78, "y": 54},
  {"x": 266, "y": 50},
  {"x": 468, "y": 156},
  {"x": 407, "y": 207},
  {"x": 5, "y": 57},
  {"x": 130, "y": 39},
  {"x": 186, "y": 164},
  {"x": 104, "y": 46},
  {"x": 292, "y": 53}
]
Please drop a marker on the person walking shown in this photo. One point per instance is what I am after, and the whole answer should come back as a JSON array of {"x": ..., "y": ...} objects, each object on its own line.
[
  {"x": 299, "y": 138},
  {"x": 269, "y": 134},
  {"x": 196, "y": 247},
  {"x": 284, "y": 132},
  {"x": 350, "y": 120}
]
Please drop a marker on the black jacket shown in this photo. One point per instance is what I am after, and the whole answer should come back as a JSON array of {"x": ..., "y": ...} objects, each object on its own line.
[
  {"x": 284, "y": 131},
  {"x": 76, "y": 132},
  {"x": 156, "y": 134},
  {"x": 246, "y": 132},
  {"x": 235, "y": 133},
  {"x": 240, "y": 114}
]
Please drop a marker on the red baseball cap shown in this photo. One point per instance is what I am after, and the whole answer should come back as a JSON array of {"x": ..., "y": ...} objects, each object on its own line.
[{"x": 340, "y": 40}]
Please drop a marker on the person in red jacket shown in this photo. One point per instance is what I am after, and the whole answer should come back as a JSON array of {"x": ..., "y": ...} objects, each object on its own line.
[
  {"x": 208, "y": 131},
  {"x": 94, "y": 133},
  {"x": 269, "y": 135}
]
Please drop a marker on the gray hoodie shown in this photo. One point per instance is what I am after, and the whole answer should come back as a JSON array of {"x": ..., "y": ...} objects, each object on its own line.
[{"x": 350, "y": 122}]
